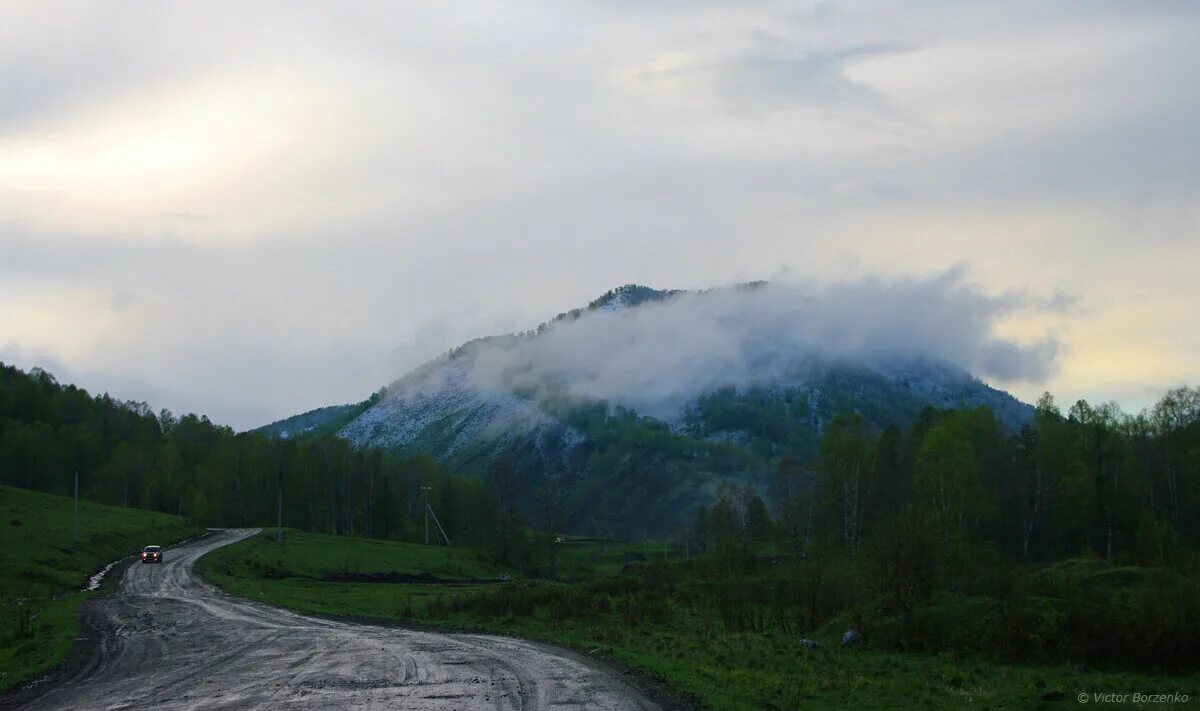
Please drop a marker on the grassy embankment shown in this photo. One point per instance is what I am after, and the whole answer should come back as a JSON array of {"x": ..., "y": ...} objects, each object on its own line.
[
  {"x": 42, "y": 572},
  {"x": 658, "y": 618}
]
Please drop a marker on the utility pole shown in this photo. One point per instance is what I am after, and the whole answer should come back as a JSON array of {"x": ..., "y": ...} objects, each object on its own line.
[
  {"x": 279, "y": 532},
  {"x": 426, "y": 490},
  {"x": 75, "y": 528}
]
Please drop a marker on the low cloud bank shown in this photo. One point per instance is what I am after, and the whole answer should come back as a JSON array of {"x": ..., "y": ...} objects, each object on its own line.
[{"x": 660, "y": 355}]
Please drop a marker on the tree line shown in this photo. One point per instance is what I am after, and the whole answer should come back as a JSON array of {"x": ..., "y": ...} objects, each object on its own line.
[
  {"x": 1075, "y": 538},
  {"x": 1091, "y": 481},
  {"x": 128, "y": 455}
]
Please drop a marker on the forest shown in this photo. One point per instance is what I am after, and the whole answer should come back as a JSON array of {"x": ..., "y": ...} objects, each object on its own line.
[
  {"x": 1092, "y": 478},
  {"x": 127, "y": 455},
  {"x": 1076, "y": 538},
  {"x": 1090, "y": 481},
  {"x": 1080, "y": 531}
]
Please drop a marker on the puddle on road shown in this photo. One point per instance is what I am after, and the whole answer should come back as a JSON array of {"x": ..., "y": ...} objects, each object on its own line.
[{"x": 95, "y": 580}]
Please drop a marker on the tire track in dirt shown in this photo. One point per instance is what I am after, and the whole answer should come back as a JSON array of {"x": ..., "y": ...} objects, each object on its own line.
[{"x": 169, "y": 640}]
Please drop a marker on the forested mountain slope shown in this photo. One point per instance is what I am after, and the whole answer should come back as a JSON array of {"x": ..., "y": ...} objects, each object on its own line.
[{"x": 635, "y": 408}]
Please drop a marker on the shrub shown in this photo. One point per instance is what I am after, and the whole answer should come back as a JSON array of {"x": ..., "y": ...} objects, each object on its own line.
[{"x": 644, "y": 608}]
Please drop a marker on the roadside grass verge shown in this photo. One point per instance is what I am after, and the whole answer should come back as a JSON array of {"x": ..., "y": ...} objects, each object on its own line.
[
  {"x": 655, "y": 619},
  {"x": 42, "y": 572},
  {"x": 316, "y": 556}
]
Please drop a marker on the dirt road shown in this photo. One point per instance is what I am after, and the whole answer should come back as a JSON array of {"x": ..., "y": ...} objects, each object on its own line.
[{"x": 169, "y": 640}]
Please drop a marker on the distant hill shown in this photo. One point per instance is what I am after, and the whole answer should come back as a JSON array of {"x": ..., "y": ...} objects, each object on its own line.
[
  {"x": 632, "y": 415},
  {"x": 323, "y": 420}
]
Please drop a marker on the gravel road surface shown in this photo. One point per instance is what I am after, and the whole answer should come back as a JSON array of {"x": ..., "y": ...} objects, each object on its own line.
[{"x": 169, "y": 640}]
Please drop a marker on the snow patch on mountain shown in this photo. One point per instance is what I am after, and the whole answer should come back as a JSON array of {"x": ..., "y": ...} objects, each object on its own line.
[
  {"x": 657, "y": 351},
  {"x": 440, "y": 405}
]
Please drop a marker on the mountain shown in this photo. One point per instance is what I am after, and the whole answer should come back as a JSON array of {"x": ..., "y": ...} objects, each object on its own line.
[
  {"x": 633, "y": 409},
  {"x": 323, "y": 420}
]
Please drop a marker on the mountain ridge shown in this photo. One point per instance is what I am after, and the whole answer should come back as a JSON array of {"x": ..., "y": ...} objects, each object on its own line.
[{"x": 521, "y": 400}]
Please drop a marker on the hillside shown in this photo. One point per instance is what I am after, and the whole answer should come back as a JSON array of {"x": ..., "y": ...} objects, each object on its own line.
[
  {"x": 635, "y": 408},
  {"x": 42, "y": 573},
  {"x": 321, "y": 421},
  {"x": 186, "y": 465}
]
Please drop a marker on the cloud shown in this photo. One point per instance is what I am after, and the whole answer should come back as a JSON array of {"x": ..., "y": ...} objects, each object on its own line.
[
  {"x": 658, "y": 356},
  {"x": 258, "y": 223},
  {"x": 787, "y": 80}
]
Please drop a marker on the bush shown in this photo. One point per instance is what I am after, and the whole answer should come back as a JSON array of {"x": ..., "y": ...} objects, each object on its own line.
[
  {"x": 1156, "y": 625},
  {"x": 644, "y": 608},
  {"x": 1028, "y": 629},
  {"x": 946, "y": 623}
]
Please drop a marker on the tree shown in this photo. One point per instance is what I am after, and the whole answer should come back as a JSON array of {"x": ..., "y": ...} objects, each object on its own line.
[
  {"x": 508, "y": 539},
  {"x": 846, "y": 452},
  {"x": 1098, "y": 442},
  {"x": 947, "y": 479},
  {"x": 549, "y": 501},
  {"x": 757, "y": 520},
  {"x": 1041, "y": 451},
  {"x": 1172, "y": 416},
  {"x": 892, "y": 480},
  {"x": 727, "y": 530},
  {"x": 794, "y": 496}
]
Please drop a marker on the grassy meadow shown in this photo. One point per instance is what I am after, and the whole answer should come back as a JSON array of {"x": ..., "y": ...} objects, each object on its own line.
[
  {"x": 42, "y": 573},
  {"x": 670, "y": 620}
]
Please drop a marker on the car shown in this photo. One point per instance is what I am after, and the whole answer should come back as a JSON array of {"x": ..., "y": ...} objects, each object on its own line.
[{"x": 152, "y": 554}]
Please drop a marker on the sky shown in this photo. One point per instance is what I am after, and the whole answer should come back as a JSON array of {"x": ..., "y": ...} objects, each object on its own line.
[{"x": 250, "y": 209}]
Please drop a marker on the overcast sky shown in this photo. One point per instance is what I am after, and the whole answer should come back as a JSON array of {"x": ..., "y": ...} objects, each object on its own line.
[{"x": 253, "y": 209}]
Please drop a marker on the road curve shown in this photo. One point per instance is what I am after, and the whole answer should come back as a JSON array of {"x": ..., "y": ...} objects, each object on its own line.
[{"x": 169, "y": 640}]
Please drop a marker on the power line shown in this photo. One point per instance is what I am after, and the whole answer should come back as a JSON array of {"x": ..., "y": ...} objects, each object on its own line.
[{"x": 429, "y": 511}]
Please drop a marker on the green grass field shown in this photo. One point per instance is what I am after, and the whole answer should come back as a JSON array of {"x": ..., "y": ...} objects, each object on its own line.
[
  {"x": 676, "y": 638},
  {"x": 583, "y": 557},
  {"x": 307, "y": 555},
  {"x": 42, "y": 572}
]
